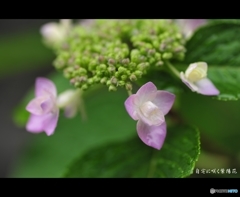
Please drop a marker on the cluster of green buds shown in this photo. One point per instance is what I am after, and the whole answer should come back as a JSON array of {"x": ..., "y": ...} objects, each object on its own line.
[{"x": 117, "y": 52}]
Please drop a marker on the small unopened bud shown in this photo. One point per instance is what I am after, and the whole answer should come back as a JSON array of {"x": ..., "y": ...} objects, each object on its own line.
[
  {"x": 76, "y": 67},
  {"x": 84, "y": 87},
  {"x": 90, "y": 81},
  {"x": 142, "y": 58},
  {"x": 82, "y": 79},
  {"x": 109, "y": 82},
  {"x": 128, "y": 86},
  {"x": 96, "y": 79},
  {"x": 124, "y": 77},
  {"x": 138, "y": 73},
  {"x": 101, "y": 58},
  {"x": 167, "y": 56},
  {"x": 151, "y": 51},
  {"x": 81, "y": 71},
  {"x": 73, "y": 80},
  {"x": 159, "y": 63},
  {"x": 125, "y": 61},
  {"x": 121, "y": 69},
  {"x": 77, "y": 84},
  {"x": 142, "y": 66},
  {"x": 103, "y": 80},
  {"x": 102, "y": 67},
  {"x": 179, "y": 49},
  {"x": 162, "y": 47},
  {"x": 133, "y": 77},
  {"x": 114, "y": 80},
  {"x": 112, "y": 88},
  {"x": 117, "y": 74},
  {"x": 111, "y": 69},
  {"x": 111, "y": 61},
  {"x": 121, "y": 83}
]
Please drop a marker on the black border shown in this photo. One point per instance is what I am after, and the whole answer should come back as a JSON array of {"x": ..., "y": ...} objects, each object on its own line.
[{"x": 156, "y": 186}]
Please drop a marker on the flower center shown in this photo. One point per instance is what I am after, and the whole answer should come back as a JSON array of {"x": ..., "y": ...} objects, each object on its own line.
[
  {"x": 197, "y": 74},
  {"x": 152, "y": 113}
]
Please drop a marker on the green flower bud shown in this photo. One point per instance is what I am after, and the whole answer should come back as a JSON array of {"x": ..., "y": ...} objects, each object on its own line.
[
  {"x": 102, "y": 67},
  {"x": 90, "y": 81},
  {"x": 133, "y": 77},
  {"x": 125, "y": 61},
  {"x": 76, "y": 84},
  {"x": 167, "y": 56},
  {"x": 114, "y": 80},
  {"x": 121, "y": 70},
  {"x": 72, "y": 81},
  {"x": 109, "y": 82},
  {"x": 128, "y": 86},
  {"x": 111, "y": 69},
  {"x": 121, "y": 83},
  {"x": 84, "y": 87},
  {"x": 103, "y": 80},
  {"x": 159, "y": 63},
  {"x": 138, "y": 73},
  {"x": 124, "y": 77},
  {"x": 112, "y": 88},
  {"x": 111, "y": 62}
]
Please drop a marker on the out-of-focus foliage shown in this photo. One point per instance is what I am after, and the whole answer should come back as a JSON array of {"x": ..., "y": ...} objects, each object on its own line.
[
  {"x": 133, "y": 159},
  {"x": 23, "y": 51}
]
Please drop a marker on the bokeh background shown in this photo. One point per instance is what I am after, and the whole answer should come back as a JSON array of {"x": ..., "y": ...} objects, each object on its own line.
[{"x": 23, "y": 57}]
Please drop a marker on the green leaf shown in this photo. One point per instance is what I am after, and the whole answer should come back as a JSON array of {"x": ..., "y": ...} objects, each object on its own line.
[
  {"x": 22, "y": 51},
  {"x": 217, "y": 43},
  {"x": 218, "y": 121},
  {"x": 133, "y": 158},
  {"x": 227, "y": 80},
  {"x": 107, "y": 120}
]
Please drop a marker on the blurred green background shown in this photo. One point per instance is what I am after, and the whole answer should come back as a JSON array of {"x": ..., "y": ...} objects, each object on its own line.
[{"x": 23, "y": 57}]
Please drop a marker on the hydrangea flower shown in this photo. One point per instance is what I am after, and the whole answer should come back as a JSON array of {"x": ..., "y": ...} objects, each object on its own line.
[
  {"x": 43, "y": 108},
  {"x": 55, "y": 33},
  {"x": 149, "y": 106},
  {"x": 196, "y": 79}
]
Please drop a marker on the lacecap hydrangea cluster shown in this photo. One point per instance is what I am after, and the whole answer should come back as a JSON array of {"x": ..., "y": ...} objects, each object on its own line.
[{"x": 117, "y": 52}]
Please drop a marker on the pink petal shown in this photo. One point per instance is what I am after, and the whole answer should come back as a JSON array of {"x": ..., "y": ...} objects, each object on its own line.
[
  {"x": 206, "y": 87},
  {"x": 195, "y": 23},
  {"x": 45, "y": 86},
  {"x": 146, "y": 92},
  {"x": 164, "y": 100},
  {"x": 131, "y": 106},
  {"x": 40, "y": 105},
  {"x": 153, "y": 136},
  {"x": 47, "y": 123}
]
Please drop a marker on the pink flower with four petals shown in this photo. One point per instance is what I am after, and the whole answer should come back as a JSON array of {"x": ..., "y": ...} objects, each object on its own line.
[
  {"x": 43, "y": 108},
  {"x": 149, "y": 106}
]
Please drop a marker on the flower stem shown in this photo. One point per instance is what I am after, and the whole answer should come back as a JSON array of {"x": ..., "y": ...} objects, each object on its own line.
[{"x": 173, "y": 69}]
